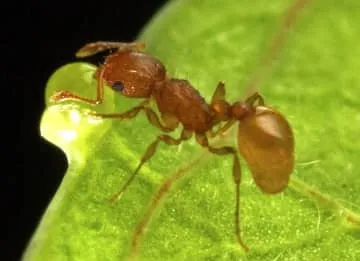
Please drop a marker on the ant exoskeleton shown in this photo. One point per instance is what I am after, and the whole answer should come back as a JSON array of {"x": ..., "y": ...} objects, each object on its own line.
[{"x": 265, "y": 139}]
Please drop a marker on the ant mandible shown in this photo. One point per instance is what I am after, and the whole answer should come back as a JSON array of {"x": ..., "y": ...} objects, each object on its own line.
[{"x": 265, "y": 138}]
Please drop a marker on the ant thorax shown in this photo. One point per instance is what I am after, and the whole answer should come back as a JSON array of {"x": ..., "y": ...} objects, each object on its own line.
[{"x": 181, "y": 100}]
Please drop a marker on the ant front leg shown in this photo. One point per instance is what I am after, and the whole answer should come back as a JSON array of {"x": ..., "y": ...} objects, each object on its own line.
[
  {"x": 66, "y": 95},
  {"x": 150, "y": 151},
  {"x": 203, "y": 141},
  {"x": 97, "y": 47},
  {"x": 132, "y": 113}
]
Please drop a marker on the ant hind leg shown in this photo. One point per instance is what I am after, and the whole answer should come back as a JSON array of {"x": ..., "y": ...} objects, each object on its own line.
[
  {"x": 203, "y": 141},
  {"x": 222, "y": 130}
]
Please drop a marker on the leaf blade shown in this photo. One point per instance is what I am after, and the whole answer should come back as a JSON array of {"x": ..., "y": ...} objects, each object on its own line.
[{"x": 197, "y": 217}]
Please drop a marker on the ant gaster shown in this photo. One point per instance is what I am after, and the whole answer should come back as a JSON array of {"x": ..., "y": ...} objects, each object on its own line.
[{"x": 265, "y": 139}]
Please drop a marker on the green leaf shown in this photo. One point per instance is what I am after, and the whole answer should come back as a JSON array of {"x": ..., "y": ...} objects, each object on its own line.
[{"x": 314, "y": 82}]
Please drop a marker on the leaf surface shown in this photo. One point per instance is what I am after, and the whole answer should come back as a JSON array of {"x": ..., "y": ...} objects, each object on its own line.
[{"x": 314, "y": 81}]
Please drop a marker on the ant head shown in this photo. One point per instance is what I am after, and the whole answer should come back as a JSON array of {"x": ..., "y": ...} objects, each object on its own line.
[{"x": 133, "y": 74}]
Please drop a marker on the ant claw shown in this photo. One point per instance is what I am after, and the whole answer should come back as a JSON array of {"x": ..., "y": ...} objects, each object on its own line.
[{"x": 93, "y": 115}]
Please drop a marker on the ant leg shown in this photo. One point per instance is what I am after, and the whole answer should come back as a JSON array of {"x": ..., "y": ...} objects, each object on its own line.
[
  {"x": 277, "y": 44},
  {"x": 155, "y": 121},
  {"x": 223, "y": 129},
  {"x": 93, "y": 48},
  {"x": 66, "y": 95},
  {"x": 150, "y": 151},
  {"x": 203, "y": 141},
  {"x": 170, "y": 121},
  {"x": 255, "y": 97},
  {"x": 150, "y": 114},
  {"x": 160, "y": 194}
]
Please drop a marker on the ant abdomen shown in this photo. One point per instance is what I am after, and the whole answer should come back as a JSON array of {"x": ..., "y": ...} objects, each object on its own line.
[{"x": 266, "y": 142}]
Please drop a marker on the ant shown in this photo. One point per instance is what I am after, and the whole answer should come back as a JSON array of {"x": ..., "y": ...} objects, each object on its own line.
[{"x": 265, "y": 138}]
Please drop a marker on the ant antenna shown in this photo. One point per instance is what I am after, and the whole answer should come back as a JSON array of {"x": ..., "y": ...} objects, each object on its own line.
[{"x": 266, "y": 61}]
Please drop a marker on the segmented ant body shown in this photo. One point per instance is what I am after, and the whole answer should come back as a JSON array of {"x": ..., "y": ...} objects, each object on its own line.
[{"x": 265, "y": 139}]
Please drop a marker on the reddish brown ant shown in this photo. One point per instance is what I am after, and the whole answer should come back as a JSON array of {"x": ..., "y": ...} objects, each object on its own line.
[{"x": 265, "y": 139}]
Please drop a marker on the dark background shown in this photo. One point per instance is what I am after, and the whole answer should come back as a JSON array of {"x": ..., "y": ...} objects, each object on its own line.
[{"x": 43, "y": 37}]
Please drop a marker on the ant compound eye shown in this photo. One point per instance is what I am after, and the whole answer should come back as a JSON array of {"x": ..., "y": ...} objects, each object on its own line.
[{"x": 117, "y": 86}]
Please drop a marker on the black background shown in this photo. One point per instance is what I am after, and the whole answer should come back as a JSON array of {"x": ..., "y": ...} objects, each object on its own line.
[{"x": 38, "y": 39}]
